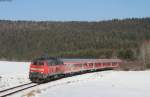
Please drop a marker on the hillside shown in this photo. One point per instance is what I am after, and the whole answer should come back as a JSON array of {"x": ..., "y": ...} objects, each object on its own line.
[{"x": 24, "y": 40}]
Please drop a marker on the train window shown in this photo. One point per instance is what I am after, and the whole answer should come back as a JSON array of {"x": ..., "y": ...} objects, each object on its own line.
[
  {"x": 85, "y": 64},
  {"x": 38, "y": 63},
  {"x": 114, "y": 63},
  {"x": 90, "y": 64},
  {"x": 59, "y": 62},
  {"x": 105, "y": 64},
  {"x": 96, "y": 64},
  {"x": 51, "y": 62},
  {"x": 108, "y": 64}
]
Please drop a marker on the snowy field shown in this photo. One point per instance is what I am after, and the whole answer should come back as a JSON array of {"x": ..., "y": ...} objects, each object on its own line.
[
  {"x": 97, "y": 84},
  {"x": 13, "y": 73}
]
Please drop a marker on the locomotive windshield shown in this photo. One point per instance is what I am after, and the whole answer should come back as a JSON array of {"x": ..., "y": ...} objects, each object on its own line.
[{"x": 38, "y": 63}]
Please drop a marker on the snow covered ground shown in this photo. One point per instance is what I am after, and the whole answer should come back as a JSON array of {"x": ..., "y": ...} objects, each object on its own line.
[
  {"x": 13, "y": 74},
  {"x": 97, "y": 84}
]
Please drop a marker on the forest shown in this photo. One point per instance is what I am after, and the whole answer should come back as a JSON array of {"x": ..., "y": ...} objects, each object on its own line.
[{"x": 117, "y": 38}]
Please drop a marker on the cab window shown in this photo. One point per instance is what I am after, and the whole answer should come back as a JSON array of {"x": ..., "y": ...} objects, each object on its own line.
[
  {"x": 51, "y": 62},
  {"x": 38, "y": 63}
]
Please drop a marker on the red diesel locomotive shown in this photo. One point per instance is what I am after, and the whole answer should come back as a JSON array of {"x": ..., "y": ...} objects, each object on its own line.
[{"x": 49, "y": 68}]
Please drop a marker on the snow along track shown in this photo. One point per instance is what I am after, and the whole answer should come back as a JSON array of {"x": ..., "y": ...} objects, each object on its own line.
[{"x": 13, "y": 90}]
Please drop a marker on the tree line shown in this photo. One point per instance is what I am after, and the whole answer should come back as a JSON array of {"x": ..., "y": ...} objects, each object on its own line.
[{"x": 24, "y": 40}]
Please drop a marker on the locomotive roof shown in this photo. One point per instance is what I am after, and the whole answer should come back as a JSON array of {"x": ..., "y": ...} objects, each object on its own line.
[{"x": 45, "y": 58}]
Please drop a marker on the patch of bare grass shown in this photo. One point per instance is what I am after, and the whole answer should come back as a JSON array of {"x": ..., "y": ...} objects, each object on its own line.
[{"x": 32, "y": 93}]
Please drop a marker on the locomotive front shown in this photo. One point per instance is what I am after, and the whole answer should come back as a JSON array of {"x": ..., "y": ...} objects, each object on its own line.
[
  {"x": 38, "y": 70},
  {"x": 45, "y": 69}
]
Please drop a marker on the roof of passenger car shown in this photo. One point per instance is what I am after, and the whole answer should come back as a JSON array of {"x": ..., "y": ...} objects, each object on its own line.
[{"x": 82, "y": 61}]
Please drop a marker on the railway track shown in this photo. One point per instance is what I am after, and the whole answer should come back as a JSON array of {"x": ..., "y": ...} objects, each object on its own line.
[{"x": 16, "y": 89}]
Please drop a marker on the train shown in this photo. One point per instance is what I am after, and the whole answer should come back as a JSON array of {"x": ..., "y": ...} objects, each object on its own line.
[{"x": 45, "y": 69}]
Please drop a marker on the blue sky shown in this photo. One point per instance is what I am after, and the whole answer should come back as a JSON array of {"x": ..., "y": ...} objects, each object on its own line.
[{"x": 73, "y": 10}]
